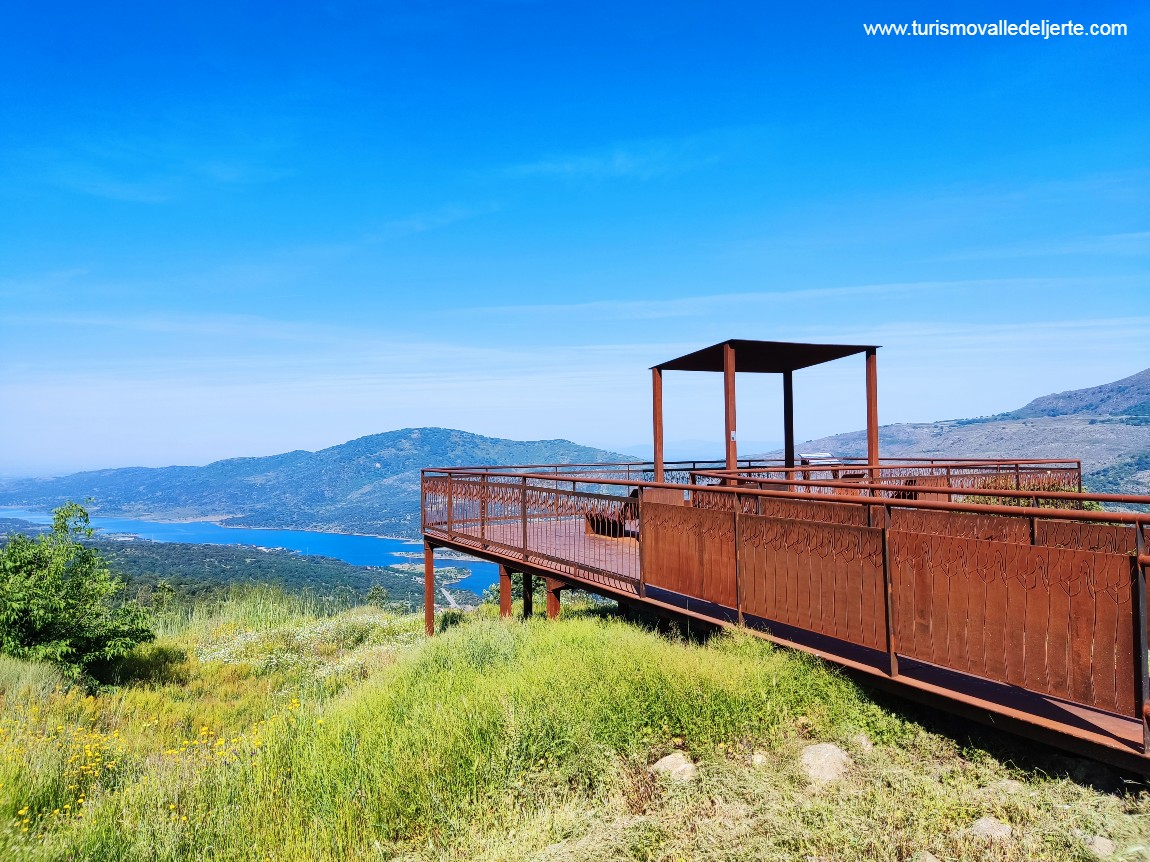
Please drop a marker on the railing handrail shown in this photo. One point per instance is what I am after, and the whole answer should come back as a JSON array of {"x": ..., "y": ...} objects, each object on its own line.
[
  {"x": 750, "y": 462},
  {"x": 855, "y": 499}
]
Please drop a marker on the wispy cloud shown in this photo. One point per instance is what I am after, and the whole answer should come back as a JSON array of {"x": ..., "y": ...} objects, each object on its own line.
[
  {"x": 430, "y": 220},
  {"x": 1128, "y": 244},
  {"x": 638, "y": 160},
  {"x": 712, "y": 305},
  {"x": 152, "y": 167}
]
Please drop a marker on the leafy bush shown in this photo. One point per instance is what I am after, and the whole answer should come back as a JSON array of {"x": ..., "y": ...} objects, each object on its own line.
[{"x": 60, "y": 603}]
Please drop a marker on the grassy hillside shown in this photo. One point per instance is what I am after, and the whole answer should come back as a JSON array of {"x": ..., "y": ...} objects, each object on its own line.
[
  {"x": 369, "y": 485},
  {"x": 262, "y": 728}
]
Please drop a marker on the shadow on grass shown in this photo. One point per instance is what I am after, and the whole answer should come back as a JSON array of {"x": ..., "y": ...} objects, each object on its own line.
[
  {"x": 147, "y": 665},
  {"x": 973, "y": 740},
  {"x": 1032, "y": 759}
]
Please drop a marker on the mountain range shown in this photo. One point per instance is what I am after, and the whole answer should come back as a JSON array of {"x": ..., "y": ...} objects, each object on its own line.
[
  {"x": 368, "y": 485},
  {"x": 1107, "y": 427},
  {"x": 371, "y": 485}
]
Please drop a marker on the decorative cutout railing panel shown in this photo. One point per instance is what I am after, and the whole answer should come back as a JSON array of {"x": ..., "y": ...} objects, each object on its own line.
[
  {"x": 1053, "y": 620},
  {"x": 689, "y": 551},
  {"x": 826, "y": 578}
]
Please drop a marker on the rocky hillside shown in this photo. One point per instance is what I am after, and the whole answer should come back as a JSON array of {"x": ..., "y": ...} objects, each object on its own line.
[
  {"x": 1129, "y": 397},
  {"x": 369, "y": 485},
  {"x": 1107, "y": 427}
]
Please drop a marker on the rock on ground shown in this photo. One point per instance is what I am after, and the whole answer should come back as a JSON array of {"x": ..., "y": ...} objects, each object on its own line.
[
  {"x": 862, "y": 742},
  {"x": 925, "y": 856},
  {"x": 1100, "y": 846},
  {"x": 1008, "y": 785},
  {"x": 990, "y": 829},
  {"x": 825, "y": 763},
  {"x": 759, "y": 758},
  {"x": 676, "y": 766}
]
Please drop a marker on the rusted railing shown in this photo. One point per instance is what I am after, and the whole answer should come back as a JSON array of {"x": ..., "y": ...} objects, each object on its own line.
[{"x": 1004, "y": 579}]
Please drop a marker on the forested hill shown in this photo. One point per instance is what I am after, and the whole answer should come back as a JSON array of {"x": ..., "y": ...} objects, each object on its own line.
[{"x": 368, "y": 485}]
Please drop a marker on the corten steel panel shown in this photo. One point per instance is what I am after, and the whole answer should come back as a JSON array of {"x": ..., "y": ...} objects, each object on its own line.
[
  {"x": 1085, "y": 536},
  {"x": 1053, "y": 620},
  {"x": 1002, "y": 528},
  {"x": 825, "y": 578},
  {"x": 802, "y": 510},
  {"x": 689, "y": 551}
]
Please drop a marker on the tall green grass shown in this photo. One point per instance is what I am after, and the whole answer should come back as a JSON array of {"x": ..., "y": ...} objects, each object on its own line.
[{"x": 258, "y": 731}]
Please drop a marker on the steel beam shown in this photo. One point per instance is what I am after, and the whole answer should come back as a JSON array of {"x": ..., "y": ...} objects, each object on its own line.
[
  {"x": 657, "y": 419},
  {"x": 729, "y": 405},
  {"x": 504, "y": 591},
  {"x": 789, "y": 417},
  {"x": 429, "y": 588},
  {"x": 872, "y": 409},
  {"x": 554, "y": 588}
]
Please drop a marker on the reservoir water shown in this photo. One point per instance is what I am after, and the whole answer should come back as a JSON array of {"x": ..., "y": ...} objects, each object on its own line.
[{"x": 357, "y": 550}]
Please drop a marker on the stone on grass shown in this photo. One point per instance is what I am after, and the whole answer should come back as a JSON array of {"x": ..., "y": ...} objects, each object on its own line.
[
  {"x": 924, "y": 856},
  {"x": 1008, "y": 785},
  {"x": 1100, "y": 846},
  {"x": 676, "y": 766},
  {"x": 862, "y": 742},
  {"x": 825, "y": 763},
  {"x": 989, "y": 829},
  {"x": 759, "y": 758}
]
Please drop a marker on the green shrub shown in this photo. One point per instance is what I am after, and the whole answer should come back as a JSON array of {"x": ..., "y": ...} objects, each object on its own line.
[{"x": 60, "y": 603}]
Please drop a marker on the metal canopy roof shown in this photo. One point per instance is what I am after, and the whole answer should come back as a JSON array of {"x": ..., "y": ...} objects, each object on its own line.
[{"x": 763, "y": 357}]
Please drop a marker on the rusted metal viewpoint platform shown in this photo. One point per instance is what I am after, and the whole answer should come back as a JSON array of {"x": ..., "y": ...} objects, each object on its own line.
[{"x": 979, "y": 586}]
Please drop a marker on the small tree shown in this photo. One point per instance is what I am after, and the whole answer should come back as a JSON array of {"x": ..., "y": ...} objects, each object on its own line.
[
  {"x": 60, "y": 603},
  {"x": 377, "y": 595}
]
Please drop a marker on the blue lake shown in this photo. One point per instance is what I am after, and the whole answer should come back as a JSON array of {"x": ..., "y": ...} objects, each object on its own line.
[{"x": 357, "y": 550}]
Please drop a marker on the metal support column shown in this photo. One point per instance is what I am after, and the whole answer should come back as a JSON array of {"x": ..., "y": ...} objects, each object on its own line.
[
  {"x": 554, "y": 588},
  {"x": 789, "y": 417},
  {"x": 429, "y": 588},
  {"x": 729, "y": 405},
  {"x": 657, "y": 419},
  {"x": 1141, "y": 636},
  {"x": 872, "y": 411},
  {"x": 528, "y": 590},
  {"x": 504, "y": 591}
]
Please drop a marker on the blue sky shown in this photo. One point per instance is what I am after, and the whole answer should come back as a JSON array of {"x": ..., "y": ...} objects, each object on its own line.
[{"x": 243, "y": 228}]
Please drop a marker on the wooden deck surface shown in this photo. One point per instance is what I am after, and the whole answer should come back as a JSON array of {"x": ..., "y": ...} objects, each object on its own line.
[{"x": 562, "y": 546}]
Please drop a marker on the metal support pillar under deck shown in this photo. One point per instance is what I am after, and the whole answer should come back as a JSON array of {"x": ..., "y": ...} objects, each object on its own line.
[
  {"x": 429, "y": 588},
  {"x": 554, "y": 588},
  {"x": 528, "y": 590},
  {"x": 504, "y": 591}
]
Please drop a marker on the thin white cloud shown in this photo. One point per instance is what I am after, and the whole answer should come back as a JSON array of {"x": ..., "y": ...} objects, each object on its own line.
[
  {"x": 1136, "y": 243},
  {"x": 639, "y": 160},
  {"x": 712, "y": 305},
  {"x": 430, "y": 220}
]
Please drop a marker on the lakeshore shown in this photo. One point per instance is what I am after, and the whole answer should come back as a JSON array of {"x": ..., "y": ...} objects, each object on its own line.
[{"x": 357, "y": 549}]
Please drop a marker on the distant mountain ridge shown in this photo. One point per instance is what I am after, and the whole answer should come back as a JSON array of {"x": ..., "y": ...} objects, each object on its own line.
[
  {"x": 1129, "y": 396},
  {"x": 1107, "y": 427},
  {"x": 368, "y": 485},
  {"x": 371, "y": 484}
]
